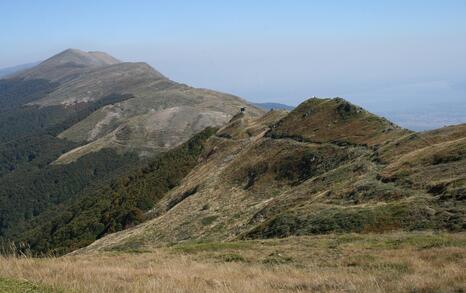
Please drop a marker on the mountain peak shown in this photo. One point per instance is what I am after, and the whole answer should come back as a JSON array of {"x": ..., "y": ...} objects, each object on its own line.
[
  {"x": 335, "y": 120},
  {"x": 79, "y": 57},
  {"x": 68, "y": 63},
  {"x": 72, "y": 51}
]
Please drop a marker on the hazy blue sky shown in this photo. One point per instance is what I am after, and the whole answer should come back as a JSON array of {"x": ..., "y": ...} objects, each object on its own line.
[{"x": 396, "y": 58}]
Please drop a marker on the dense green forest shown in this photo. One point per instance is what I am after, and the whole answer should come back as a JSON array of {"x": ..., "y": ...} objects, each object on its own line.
[
  {"x": 111, "y": 206},
  {"x": 28, "y": 133},
  {"x": 17, "y": 92},
  {"x": 25, "y": 193},
  {"x": 58, "y": 208},
  {"x": 31, "y": 152},
  {"x": 19, "y": 121},
  {"x": 28, "y": 144}
]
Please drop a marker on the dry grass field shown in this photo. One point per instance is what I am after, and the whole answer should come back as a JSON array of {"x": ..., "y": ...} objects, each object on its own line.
[{"x": 396, "y": 262}]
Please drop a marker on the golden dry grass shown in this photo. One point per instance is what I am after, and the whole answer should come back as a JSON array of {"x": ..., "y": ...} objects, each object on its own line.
[{"x": 398, "y": 262}]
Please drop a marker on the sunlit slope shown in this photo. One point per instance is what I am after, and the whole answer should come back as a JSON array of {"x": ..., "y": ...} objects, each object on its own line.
[{"x": 316, "y": 170}]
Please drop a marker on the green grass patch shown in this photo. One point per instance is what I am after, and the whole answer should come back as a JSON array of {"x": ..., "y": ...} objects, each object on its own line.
[
  {"x": 17, "y": 286},
  {"x": 407, "y": 215},
  {"x": 231, "y": 257},
  {"x": 277, "y": 258},
  {"x": 423, "y": 241},
  {"x": 208, "y": 220},
  {"x": 195, "y": 247},
  {"x": 135, "y": 246},
  {"x": 417, "y": 240}
]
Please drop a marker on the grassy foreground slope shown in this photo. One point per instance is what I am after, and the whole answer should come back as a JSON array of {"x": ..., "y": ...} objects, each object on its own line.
[{"x": 392, "y": 262}]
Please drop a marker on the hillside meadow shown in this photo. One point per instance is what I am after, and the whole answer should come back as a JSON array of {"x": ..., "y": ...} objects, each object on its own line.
[{"x": 395, "y": 262}]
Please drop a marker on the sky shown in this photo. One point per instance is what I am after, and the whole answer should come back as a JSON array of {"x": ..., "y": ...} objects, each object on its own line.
[{"x": 402, "y": 59}]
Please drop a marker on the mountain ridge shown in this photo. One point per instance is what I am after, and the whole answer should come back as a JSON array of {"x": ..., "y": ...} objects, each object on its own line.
[
  {"x": 273, "y": 106},
  {"x": 81, "y": 78},
  {"x": 80, "y": 118},
  {"x": 12, "y": 70},
  {"x": 251, "y": 184},
  {"x": 328, "y": 166}
]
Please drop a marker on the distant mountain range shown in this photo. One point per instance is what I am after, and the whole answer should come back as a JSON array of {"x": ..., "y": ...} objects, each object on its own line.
[
  {"x": 4, "y": 72},
  {"x": 273, "y": 106},
  {"x": 159, "y": 114}
]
